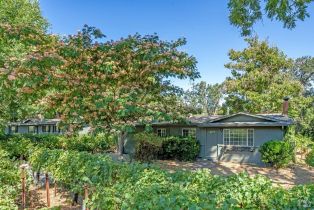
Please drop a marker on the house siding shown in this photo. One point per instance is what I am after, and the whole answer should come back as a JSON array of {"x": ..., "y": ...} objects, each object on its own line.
[
  {"x": 210, "y": 138},
  {"x": 214, "y": 136},
  {"x": 23, "y": 129}
]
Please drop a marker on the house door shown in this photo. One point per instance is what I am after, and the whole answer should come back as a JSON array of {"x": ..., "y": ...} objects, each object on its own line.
[{"x": 212, "y": 136}]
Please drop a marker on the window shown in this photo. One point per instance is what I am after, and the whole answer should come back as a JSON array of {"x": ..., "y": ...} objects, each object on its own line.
[
  {"x": 238, "y": 137},
  {"x": 54, "y": 129},
  {"x": 46, "y": 129},
  {"x": 161, "y": 132},
  {"x": 189, "y": 132},
  {"x": 14, "y": 129},
  {"x": 31, "y": 129}
]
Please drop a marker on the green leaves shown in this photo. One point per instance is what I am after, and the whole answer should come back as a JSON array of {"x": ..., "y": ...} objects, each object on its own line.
[
  {"x": 245, "y": 13},
  {"x": 106, "y": 84},
  {"x": 260, "y": 79},
  {"x": 277, "y": 153},
  {"x": 9, "y": 181}
]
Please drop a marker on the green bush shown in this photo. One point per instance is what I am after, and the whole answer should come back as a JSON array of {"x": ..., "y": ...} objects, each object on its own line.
[
  {"x": 180, "y": 148},
  {"x": 17, "y": 146},
  {"x": 9, "y": 181},
  {"x": 148, "y": 147},
  {"x": 21, "y": 144},
  {"x": 44, "y": 140},
  {"x": 310, "y": 158},
  {"x": 89, "y": 143},
  {"x": 277, "y": 153}
]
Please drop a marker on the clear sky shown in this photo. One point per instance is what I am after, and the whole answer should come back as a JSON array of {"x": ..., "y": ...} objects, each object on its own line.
[{"x": 204, "y": 23}]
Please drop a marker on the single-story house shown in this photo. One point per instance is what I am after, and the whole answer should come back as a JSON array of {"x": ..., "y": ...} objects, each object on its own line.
[
  {"x": 235, "y": 137},
  {"x": 34, "y": 126}
]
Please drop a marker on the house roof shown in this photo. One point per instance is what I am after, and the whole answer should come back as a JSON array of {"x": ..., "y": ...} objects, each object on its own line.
[
  {"x": 270, "y": 120},
  {"x": 36, "y": 122}
]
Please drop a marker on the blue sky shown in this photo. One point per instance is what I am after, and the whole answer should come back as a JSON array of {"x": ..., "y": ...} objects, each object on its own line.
[{"x": 204, "y": 23}]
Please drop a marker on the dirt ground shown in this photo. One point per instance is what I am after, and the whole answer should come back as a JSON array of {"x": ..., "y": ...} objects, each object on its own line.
[
  {"x": 288, "y": 177},
  {"x": 37, "y": 199}
]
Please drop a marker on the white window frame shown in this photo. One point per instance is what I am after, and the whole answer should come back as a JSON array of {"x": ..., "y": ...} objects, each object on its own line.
[
  {"x": 247, "y": 136},
  {"x": 163, "y": 132},
  {"x": 189, "y": 134}
]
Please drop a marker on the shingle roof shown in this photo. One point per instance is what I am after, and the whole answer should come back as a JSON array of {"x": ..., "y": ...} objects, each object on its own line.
[
  {"x": 277, "y": 117},
  {"x": 273, "y": 119},
  {"x": 244, "y": 124}
]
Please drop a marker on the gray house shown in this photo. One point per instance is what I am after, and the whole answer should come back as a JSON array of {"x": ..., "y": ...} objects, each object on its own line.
[
  {"x": 234, "y": 137},
  {"x": 34, "y": 126}
]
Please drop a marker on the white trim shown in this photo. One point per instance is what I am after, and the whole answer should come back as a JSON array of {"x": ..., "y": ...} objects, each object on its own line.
[
  {"x": 247, "y": 136},
  {"x": 161, "y": 132},
  {"x": 242, "y": 113},
  {"x": 188, "y": 128}
]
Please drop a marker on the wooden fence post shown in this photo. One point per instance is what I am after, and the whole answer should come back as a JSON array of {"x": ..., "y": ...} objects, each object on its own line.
[
  {"x": 86, "y": 196},
  {"x": 55, "y": 186},
  {"x": 23, "y": 177},
  {"x": 47, "y": 190}
]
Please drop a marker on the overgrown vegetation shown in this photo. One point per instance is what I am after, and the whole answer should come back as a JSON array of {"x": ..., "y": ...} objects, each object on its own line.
[
  {"x": 148, "y": 147},
  {"x": 117, "y": 185},
  {"x": 22, "y": 145},
  {"x": 310, "y": 158},
  {"x": 9, "y": 181},
  {"x": 180, "y": 148},
  {"x": 277, "y": 153}
]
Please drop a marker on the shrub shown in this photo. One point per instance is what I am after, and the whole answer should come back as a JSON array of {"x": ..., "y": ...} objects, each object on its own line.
[
  {"x": 9, "y": 181},
  {"x": 45, "y": 140},
  {"x": 17, "y": 146},
  {"x": 89, "y": 143},
  {"x": 180, "y": 148},
  {"x": 277, "y": 153},
  {"x": 148, "y": 147},
  {"x": 310, "y": 158}
]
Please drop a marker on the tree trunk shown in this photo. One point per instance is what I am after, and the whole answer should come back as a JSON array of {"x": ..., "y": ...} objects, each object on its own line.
[{"x": 122, "y": 136}]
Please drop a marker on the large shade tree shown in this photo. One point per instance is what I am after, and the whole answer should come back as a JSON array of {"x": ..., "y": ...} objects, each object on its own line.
[
  {"x": 303, "y": 70},
  {"x": 260, "y": 79},
  {"x": 21, "y": 24},
  {"x": 110, "y": 85}
]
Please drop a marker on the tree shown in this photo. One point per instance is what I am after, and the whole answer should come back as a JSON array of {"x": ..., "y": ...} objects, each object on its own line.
[
  {"x": 108, "y": 85},
  {"x": 245, "y": 13},
  {"x": 260, "y": 79},
  {"x": 204, "y": 97},
  {"x": 21, "y": 24},
  {"x": 303, "y": 70}
]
